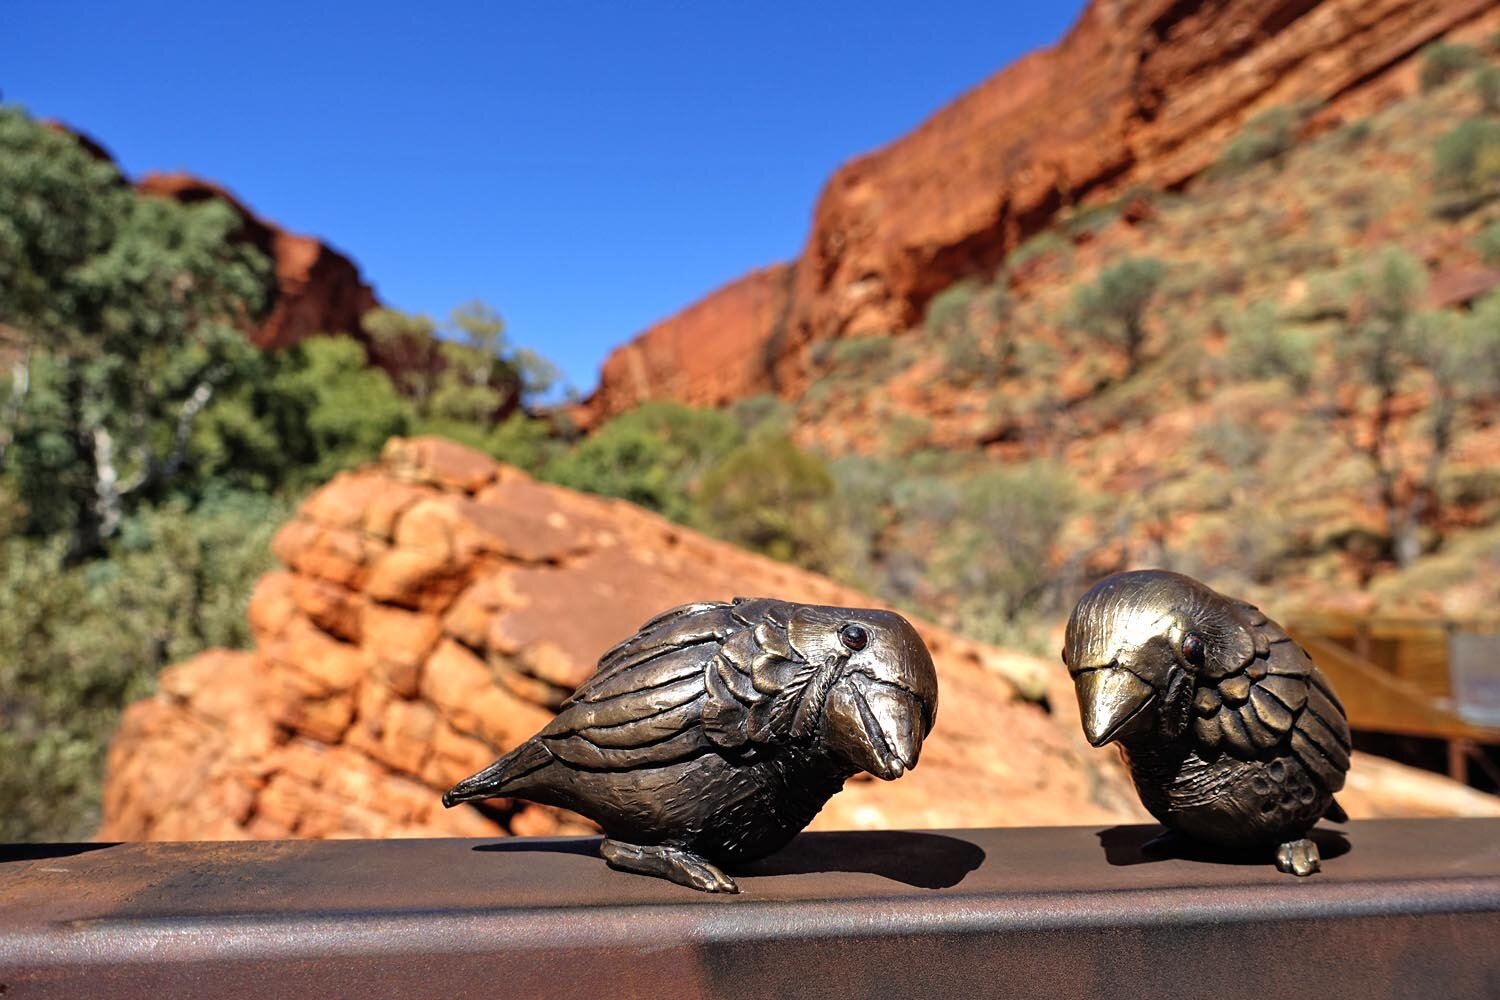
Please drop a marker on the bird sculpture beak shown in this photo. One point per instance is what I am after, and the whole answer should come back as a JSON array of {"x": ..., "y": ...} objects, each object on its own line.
[
  {"x": 1113, "y": 703},
  {"x": 876, "y": 727}
]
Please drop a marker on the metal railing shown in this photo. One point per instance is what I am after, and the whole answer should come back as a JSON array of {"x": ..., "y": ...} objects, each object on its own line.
[{"x": 1402, "y": 908}]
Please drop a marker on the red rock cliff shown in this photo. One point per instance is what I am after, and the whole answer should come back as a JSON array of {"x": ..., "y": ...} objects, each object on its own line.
[
  {"x": 318, "y": 289},
  {"x": 1138, "y": 92}
]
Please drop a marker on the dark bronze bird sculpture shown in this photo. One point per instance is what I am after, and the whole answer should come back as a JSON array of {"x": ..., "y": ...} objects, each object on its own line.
[
  {"x": 1232, "y": 735},
  {"x": 716, "y": 732}
]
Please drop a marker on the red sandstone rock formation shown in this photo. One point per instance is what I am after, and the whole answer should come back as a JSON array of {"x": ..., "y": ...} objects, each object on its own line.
[
  {"x": 1139, "y": 92},
  {"x": 318, "y": 289},
  {"x": 434, "y": 611}
]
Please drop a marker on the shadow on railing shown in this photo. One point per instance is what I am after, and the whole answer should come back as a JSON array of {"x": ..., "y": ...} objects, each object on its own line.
[{"x": 1402, "y": 907}]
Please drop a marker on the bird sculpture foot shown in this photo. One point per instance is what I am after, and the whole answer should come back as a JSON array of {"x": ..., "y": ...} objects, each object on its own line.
[
  {"x": 672, "y": 863},
  {"x": 1298, "y": 857}
]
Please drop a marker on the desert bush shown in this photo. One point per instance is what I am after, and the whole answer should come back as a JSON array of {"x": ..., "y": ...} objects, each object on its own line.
[
  {"x": 771, "y": 497},
  {"x": 1488, "y": 244},
  {"x": 1444, "y": 61},
  {"x": 1261, "y": 346},
  {"x": 1113, "y": 308},
  {"x": 1266, "y": 138},
  {"x": 859, "y": 355},
  {"x": 1466, "y": 163},
  {"x": 1487, "y": 89},
  {"x": 975, "y": 332},
  {"x": 653, "y": 456},
  {"x": 78, "y": 643},
  {"x": 948, "y": 311},
  {"x": 1048, "y": 241},
  {"x": 994, "y": 555}
]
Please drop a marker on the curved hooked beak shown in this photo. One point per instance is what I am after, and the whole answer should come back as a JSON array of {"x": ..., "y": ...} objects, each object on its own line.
[
  {"x": 1113, "y": 703},
  {"x": 874, "y": 726}
]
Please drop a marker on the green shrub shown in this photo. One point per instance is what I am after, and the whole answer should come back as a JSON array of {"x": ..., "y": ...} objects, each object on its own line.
[
  {"x": 1113, "y": 308},
  {"x": 1266, "y": 138},
  {"x": 857, "y": 355},
  {"x": 1488, "y": 244},
  {"x": 1487, "y": 89},
  {"x": 1049, "y": 241},
  {"x": 79, "y": 643},
  {"x": 948, "y": 313},
  {"x": 653, "y": 456},
  {"x": 771, "y": 497},
  {"x": 1262, "y": 347},
  {"x": 995, "y": 555},
  {"x": 1466, "y": 161},
  {"x": 1444, "y": 61}
]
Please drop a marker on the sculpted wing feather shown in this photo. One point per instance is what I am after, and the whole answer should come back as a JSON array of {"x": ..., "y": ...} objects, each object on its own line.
[
  {"x": 1278, "y": 697},
  {"x": 1320, "y": 738},
  {"x": 755, "y": 683},
  {"x": 638, "y": 661},
  {"x": 1256, "y": 705},
  {"x": 643, "y": 707}
]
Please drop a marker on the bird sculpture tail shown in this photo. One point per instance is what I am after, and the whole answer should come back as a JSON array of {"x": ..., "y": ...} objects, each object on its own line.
[
  {"x": 501, "y": 776},
  {"x": 1336, "y": 812}
]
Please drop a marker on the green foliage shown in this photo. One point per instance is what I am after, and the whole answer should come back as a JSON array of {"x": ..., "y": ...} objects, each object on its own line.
[
  {"x": 1466, "y": 162},
  {"x": 1113, "y": 309},
  {"x": 1266, "y": 138},
  {"x": 1444, "y": 61},
  {"x": 857, "y": 355},
  {"x": 1488, "y": 244},
  {"x": 133, "y": 308},
  {"x": 1487, "y": 89},
  {"x": 653, "y": 456},
  {"x": 1049, "y": 241},
  {"x": 1383, "y": 301},
  {"x": 1261, "y": 346},
  {"x": 76, "y": 643},
  {"x": 948, "y": 311},
  {"x": 769, "y": 496},
  {"x": 472, "y": 377},
  {"x": 995, "y": 555},
  {"x": 974, "y": 327}
]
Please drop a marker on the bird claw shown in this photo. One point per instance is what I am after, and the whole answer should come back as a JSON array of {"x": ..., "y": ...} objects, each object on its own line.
[
  {"x": 671, "y": 863},
  {"x": 1298, "y": 857}
]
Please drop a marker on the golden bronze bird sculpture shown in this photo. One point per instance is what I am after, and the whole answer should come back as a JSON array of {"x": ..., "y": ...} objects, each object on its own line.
[{"x": 1232, "y": 735}]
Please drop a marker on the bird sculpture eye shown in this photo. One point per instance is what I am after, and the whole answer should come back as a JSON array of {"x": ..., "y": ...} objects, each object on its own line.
[
  {"x": 854, "y": 637},
  {"x": 1193, "y": 648}
]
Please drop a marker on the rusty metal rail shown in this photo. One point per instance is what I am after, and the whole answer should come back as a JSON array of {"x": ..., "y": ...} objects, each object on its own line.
[{"x": 1403, "y": 908}]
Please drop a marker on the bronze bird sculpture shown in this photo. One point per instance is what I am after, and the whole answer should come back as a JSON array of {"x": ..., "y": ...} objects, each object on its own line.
[
  {"x": 1232, "y": 735},
  {"x": 716, "y": 732}
]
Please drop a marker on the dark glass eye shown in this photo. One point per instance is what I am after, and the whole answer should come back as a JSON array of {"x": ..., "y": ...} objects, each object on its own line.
[
  {"x": 854, "y": 636},
  {"x": 1193, "y": 648}
]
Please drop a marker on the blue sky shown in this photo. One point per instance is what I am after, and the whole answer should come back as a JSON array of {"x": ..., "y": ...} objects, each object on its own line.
[{"x": 586, "y": 168}]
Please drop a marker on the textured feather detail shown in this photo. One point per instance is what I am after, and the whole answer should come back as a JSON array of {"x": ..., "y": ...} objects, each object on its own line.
[
  {"x": 1207, "y": 730},
  {"x": 626, "y": 708},
  {"x": 710, "y": 623},
  {"x": 665, "y": 668},
  {"x": 1291, "y": 692},
  {"x": 1269, "y": 710},
  {"x": 580, "y": 753},
  {"x": 731, "y": 682}
]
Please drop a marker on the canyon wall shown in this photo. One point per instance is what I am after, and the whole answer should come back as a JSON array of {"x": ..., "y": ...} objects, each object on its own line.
[{"x": 1139, "y": 92}]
